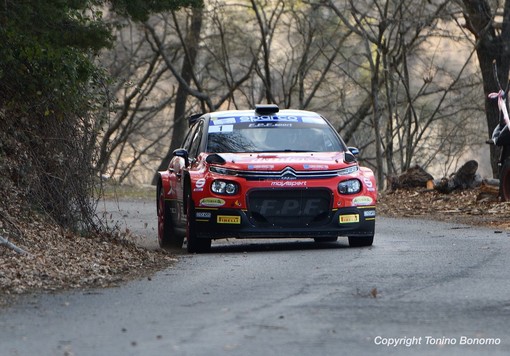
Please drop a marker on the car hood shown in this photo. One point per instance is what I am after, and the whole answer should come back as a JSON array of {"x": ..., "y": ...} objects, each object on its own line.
[{"x": 280, "y": 160}]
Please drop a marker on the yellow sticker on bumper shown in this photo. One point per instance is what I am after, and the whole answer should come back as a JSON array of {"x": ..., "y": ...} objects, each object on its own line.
[
  {"x": 225, "y": 219},
  {"x": 348, "y": 219}
]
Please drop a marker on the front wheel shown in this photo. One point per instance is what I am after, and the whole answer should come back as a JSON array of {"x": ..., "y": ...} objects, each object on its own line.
[
  {"x": 504, "y": 181},
  {"x": 361, "y": 241},
  {"x": 195, "y": 244}
]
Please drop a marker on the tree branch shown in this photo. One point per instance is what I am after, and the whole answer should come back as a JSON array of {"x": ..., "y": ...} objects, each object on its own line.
[{"x": 5, "y": 242}]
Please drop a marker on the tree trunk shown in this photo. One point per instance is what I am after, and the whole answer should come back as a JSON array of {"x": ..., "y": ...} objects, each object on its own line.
[
  {"x": 465, "y": 178},
  {"x": 180, "y": 126},
  {"x": 491, "y": 47}
]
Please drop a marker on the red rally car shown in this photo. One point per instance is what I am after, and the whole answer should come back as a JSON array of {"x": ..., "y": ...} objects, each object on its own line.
[{"x": 264, "y": 173}]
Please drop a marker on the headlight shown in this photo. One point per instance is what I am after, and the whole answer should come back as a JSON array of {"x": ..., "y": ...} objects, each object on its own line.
[
  {"x": 348, "y": 170},
  {"x": 224, "y": 187},
  {"x": 351, "y": 186}
]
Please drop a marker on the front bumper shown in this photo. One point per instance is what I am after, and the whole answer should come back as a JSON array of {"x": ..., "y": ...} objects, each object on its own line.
[{"x": 236, "y": 223}]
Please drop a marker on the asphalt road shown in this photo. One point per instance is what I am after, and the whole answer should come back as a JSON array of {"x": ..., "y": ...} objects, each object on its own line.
[{"x": 431, "y": 288}]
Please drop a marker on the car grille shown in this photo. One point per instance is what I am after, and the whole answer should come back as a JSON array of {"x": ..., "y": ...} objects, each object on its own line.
[{"x": 289, "y": 207}]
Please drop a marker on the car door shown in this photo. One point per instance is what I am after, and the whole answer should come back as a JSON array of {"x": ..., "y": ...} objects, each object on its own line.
[{"x": 176, "y": 168}]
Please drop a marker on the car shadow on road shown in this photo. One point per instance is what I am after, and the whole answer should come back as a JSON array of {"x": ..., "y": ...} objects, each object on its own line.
[{"x": 237, "y": 246}]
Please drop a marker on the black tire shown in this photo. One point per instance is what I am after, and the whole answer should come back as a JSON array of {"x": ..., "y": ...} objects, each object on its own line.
[
  {"x": 504, "y": 181},
  {"x": 167, "y": 237},
  {"x": 361, "y": 241},
  {"x": 195, "y": 244},
  {"x": 326, "y": 239}
]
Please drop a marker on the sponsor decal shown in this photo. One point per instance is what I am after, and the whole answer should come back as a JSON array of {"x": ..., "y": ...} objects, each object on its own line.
[
  {"x": 223, "y": 121},
  {"x": 362, "y": 200},
  {"x": 221, "y": 128},
  {"x": 203, "y": 215},
  {"x": 269, "y": 118},
  {"x": 219, "y": 121},
  {"x": 369, "y": 213},
  {"x": 226, "y": 219},
  {"x": 213, "y": 202},
  {"x": 288, "y": 184},
  {"x": 368, "y": 183},
  {"x": 260, "y": 166},
  {"x": 349, "y": 219},
  {"x": 270, "y": 124},
  {"x": 200, "y": 183},
  {"x": 316, "y": 166},
  {"x": 261, "y": 157}
]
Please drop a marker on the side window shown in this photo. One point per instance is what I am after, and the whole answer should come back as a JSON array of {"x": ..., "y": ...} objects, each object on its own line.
[
  {"x": 193, "y": 151},
  {"x": 189, "y": 137}
]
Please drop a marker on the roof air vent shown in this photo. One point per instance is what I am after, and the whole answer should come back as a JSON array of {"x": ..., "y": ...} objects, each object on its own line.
[{"x": 265, "y": 109}]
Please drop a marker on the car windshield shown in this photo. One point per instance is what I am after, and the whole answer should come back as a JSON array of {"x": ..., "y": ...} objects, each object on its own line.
[{"x": 251, "y": 134}]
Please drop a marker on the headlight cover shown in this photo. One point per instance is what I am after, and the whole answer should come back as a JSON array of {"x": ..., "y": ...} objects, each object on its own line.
[
  {"x": 348, "y": 170},
  {"x": 224, "y": 187},
  {"x": 225, "y": 171},
  {"x": 351, "y": 186}
]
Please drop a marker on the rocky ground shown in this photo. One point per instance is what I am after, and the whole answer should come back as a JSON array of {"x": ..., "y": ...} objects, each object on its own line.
[{"x": 57, "y": 260}]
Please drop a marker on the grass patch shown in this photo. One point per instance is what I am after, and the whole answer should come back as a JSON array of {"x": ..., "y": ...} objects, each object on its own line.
[{"x": 116, "y": 191}]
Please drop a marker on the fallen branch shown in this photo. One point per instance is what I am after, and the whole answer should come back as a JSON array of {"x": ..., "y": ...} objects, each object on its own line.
[
  {"x": 5, "y": 242},
  {"x": 489, "y": 190},
  {"x": 414, "y": 177},
  {"x": 9, "y": 220},
  {"x": 465, "y": 178}
]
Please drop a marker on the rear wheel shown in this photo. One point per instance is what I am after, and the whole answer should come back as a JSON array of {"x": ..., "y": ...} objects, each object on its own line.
[
  {"x": 195, "y": 244},
  {"x": 504, "y": 181},
  {"x": 167, "y": 236},
  {"x": 361, "y": 241}
]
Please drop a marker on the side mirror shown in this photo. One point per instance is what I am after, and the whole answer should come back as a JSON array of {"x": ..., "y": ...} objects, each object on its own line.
[
  {"x": 183, "y": 153},
  {"x": 350, "y": 154},
  {"x": 353, "y": 150}
]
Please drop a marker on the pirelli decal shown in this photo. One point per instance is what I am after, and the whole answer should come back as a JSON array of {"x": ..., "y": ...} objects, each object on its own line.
[
  {"x": 228, "y": 219},
  {"x": 349, "y": 219}
]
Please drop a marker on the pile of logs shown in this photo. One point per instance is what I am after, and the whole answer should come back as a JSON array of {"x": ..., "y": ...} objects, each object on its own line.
[{"x": 465, "y": 178}]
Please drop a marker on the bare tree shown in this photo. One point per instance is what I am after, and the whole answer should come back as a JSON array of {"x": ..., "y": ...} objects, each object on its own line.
[
  {"x": 131, "y": 132},
  {"x": 189, "y": 40},
  {"x": 304, "y": 43},
  {"x": 398, "y": 116},
  {"x": 188, "y": 76},
  {"x": 373, "y": 67},
  {"x": 491, "y": 44}
]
